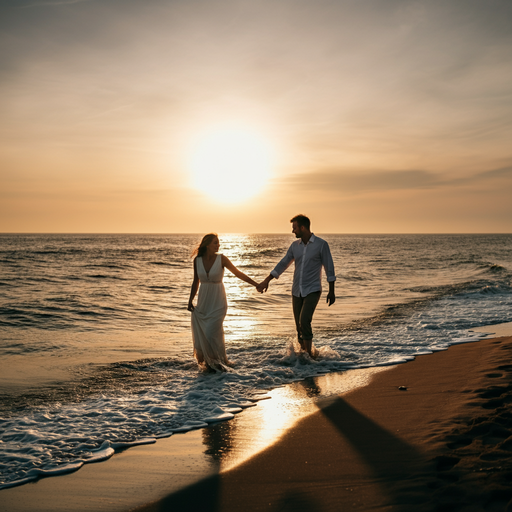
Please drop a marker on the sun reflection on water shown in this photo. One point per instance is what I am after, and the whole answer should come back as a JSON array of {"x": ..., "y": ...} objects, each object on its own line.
[
  {"x": 253, "y": 430},
  {"x": 245, "y": 305}
]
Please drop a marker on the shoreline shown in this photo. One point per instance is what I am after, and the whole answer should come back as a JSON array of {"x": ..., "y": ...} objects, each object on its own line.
[
  {"x": 158, "y": 473},
  {"x": 430, "y": 435},
  {"x": 183, "y": 459}
]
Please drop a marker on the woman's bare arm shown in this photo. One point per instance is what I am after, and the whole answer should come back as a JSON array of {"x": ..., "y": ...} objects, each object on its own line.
[
  {"x": 227, "y": 264},
  {"x": 195, "y": 286}
]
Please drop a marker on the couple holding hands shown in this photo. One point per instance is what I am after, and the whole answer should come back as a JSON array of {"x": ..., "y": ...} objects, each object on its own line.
[{"x": 309, "y": 252}]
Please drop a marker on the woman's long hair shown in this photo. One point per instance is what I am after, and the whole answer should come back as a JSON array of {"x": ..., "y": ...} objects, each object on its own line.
[{"x": 200, "y": 250}]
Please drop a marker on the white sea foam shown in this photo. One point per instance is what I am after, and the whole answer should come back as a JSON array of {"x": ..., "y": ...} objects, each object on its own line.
[{"x": 219, "y": 416}]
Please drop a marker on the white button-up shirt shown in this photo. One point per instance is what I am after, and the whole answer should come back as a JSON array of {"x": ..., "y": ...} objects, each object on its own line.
[{"x": 309, "y": 259}]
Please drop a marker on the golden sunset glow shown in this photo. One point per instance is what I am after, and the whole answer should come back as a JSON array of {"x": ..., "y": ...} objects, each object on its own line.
[
  {"x": 163, "y": 116},
  {"x": 230, "y": 164}
]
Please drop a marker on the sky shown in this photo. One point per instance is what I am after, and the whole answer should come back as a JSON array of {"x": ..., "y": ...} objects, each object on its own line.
[{"x": 378, "y": 116}]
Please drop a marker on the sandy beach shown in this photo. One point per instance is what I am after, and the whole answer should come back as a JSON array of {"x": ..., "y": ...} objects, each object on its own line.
[
  {"x": 433, "y": 434},
  {"x": 442, "y": 442}
]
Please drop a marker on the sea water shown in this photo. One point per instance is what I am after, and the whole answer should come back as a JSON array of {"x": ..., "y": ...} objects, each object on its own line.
[{"x": 95, "y": 344}]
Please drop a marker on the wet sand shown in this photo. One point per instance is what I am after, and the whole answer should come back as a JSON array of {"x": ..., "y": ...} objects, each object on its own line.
[
  {"x": 430, "y": 435},
  {"x": 444, "y": 442}
]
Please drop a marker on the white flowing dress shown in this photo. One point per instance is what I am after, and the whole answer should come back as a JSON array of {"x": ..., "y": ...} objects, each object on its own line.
[{"x": 208, "y": 316}]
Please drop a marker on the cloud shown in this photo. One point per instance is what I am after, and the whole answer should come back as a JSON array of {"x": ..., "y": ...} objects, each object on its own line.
[
  {"x": 351, "y": 182},
  {"x": 356, "y": 182},
  {"x": 52, "y": 3},
  {"x": 501, "y": 176}
]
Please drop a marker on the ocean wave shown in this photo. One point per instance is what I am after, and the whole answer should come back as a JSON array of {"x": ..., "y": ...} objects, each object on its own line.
[
  {"x": 48, "y": 316},
  {"x": 165, "y": 263},
  {"x": 467, "y": 287},
  {"x": 356, "y": 276},
  {"x": 491, "y": 268},
  {"x": 60, "y": 251},
  {"x": 109, "y": 265},
  {"x": 31, "y": 279},
  {"x": 419, "y": 295},
  {"x": 494, "y": 268},
  {"x": 161, "y": 288},
  {"x": 269, "y": 252},
  {"x": 104, "y": 276},
  {"x": 20, "y": 348}
]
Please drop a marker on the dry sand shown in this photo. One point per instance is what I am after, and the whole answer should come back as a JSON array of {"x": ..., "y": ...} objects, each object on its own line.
[{"x": 443, "y": 443}]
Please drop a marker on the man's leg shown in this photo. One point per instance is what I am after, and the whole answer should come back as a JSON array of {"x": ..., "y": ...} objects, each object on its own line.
[
  {"x": 297, "y": 310},
  {"x": 306, "y": 316}
]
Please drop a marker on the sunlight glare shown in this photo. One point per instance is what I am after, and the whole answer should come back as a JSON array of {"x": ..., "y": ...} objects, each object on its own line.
[{"x": 230, "y": 164}]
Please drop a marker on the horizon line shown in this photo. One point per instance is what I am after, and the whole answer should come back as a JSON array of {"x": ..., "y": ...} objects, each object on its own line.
[{"x": 4, "y": 233}]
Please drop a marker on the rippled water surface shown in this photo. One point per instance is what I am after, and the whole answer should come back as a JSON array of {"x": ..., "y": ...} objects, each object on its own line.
[{"x": 95, "y": 347}]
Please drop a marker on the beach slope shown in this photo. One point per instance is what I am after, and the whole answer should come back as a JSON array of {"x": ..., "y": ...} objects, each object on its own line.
[{"x": 430, "y": 435}]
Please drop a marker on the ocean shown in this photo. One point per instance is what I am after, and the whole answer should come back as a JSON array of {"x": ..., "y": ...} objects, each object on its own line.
[{"x": 95, "y": 343}]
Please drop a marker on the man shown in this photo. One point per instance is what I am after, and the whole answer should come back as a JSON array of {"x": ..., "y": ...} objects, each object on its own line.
[{"x": 310, "y": 254}]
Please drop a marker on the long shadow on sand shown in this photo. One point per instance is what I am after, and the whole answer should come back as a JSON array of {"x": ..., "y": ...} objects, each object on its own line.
[
  {"x": 388, "y": 457},
  {"x": 276, "y": 480}
]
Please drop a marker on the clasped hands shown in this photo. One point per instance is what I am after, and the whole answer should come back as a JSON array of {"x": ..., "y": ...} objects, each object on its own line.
[{"x": 263, "y": 286}]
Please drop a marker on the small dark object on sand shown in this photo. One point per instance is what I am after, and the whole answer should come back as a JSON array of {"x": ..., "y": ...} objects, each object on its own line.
[{"x": 402, "y": 388}]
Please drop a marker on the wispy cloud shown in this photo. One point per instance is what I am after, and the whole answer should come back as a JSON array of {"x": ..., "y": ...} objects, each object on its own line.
[
  {"x": 52, "y": 3},
  {"x": 350, "y": 182},
  {"x": 503, "y": 174},
  {"x": 355, "y": 182}
]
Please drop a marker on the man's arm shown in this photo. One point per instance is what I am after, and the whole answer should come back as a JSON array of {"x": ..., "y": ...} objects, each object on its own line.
[
  {"x": 278, "y": 270},
  {"x": 331, "y": 297},
  {"x": 328, "y": 265}
]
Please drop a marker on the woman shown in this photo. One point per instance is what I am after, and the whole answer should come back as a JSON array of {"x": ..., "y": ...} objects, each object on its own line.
[{"x": 209, "y": 313}]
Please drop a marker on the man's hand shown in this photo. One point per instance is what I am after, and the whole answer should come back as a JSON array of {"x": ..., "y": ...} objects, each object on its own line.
[
  {"x": 263, "y": 286},
  {"x": 331, "y": 298}
]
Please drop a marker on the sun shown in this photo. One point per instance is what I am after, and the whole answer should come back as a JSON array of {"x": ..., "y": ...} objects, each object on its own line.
[{"x": 230, "y": 164}]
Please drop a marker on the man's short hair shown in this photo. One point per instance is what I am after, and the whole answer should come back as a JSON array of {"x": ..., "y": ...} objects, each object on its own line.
[{"x": 302, "y": 220}]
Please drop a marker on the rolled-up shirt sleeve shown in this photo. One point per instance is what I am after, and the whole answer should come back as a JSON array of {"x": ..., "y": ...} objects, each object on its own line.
[
  {"x": 284, "y": 264},
  {"x": 327, "y": 263}
]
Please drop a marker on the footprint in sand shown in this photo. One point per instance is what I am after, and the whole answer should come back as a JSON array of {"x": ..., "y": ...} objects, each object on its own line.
[
  {"x": 459, "y": 443},
  {"x": 445, "y": 462}
]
